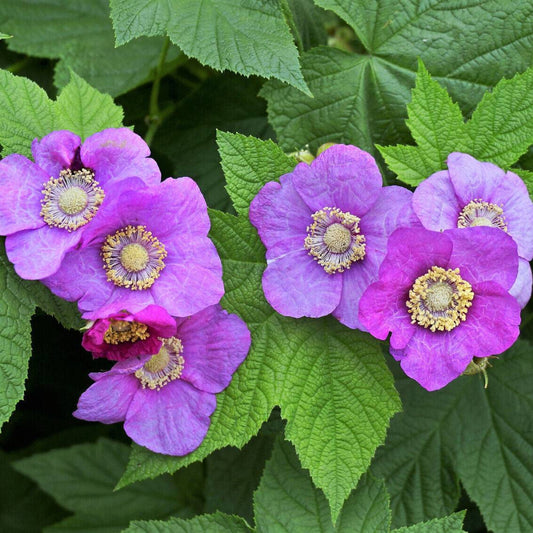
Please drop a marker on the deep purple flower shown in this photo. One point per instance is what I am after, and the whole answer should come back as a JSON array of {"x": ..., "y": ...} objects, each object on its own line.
[
  {"x": 325, "y": 227},
  {"x": 124, "y": 334},
  {"x": 45, "y": 206},
  {"x": 444, "y": 297},
  {"x": 148, "y": 246},
  {"x": 165, "y": 400},
  {"x": 472, "y": 193}
]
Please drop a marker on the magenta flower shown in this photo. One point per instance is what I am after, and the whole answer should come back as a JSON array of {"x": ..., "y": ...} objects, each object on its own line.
[
  {"x": 123, "y": 334},
  {"x": 325, "y": 227},
  {"x": 165, "y": 400},
  {"x": 148, "y": 246},
  {"x": 472, "y": 193},
  {"x": 445, "y": 299},
  {"x": 46, "y": 205}
]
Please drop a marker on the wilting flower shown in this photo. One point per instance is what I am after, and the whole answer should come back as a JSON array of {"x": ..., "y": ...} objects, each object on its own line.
[
  {"x": 124, "y": 334},
  {"x": 444, "y": 297},
  {"x": 148, "y": 246},
  {"x": 472, "y": 193},
  {"x": 166, "y": 399},
  {"x": 325, "y": 227},
  {"x": 46, "y": 205}
]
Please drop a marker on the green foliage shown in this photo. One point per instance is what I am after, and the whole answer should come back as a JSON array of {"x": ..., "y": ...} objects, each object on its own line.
[
  {"x": 249, "y": 38},
  {"x": 360, "y": 98},
  {"x": 81, "y": 479},
  {"x": 447, "y": 524},
  {"x": 500, "y": 130},
  {"x": 79, "y": 33},
  {"x": 464, "y": 431},
  {"x": 213, "y": 523}
]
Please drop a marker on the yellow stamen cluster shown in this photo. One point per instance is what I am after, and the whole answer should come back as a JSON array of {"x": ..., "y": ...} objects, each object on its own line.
[
  {"x": 124, "y": 331},
  {"x": 440, "y": 299},
  {"x": 163, "y": 367},
  {"x": 334, "y": 239},
  {"x": 480, "y": 213},
  {"x": 133, "y": 257},
  {"x": 71, "y": 200}
]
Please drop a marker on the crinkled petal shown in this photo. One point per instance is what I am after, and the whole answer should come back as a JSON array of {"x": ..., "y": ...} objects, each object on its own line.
[
  {"x": 38, "y": 253},
  {"x": 108, "y": 399},
  {"x": 118, "y": 153},
  {"x": 484, "y": 254},
  {"x": 435, "y": 202},
  {"x": 173, "y": 420},
  {"x": 21, "y": 185},
  {"x": 107, "y": 296},
  {"x": 521, "y": 288},
  {"x": 158, "y": 319},
  {"x": 55, "y": 151},
  {"x": 342, "y": 176},
  {"x": 296, "y": 285},
  {"x": 279, "y": 213},
  {"x": 215, "y": 343}
]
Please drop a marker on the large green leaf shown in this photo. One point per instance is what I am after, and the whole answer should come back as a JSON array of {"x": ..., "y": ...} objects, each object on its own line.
[
  {"x": 360, "y": 98},
  {"x": 79, "y": 33},
  {"x": 248, "y": 37},
  {"x": 213, "y": 523},
  {"x": 483, "y": 434}
]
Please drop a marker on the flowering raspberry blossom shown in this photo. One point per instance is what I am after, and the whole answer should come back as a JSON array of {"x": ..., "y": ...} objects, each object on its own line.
[
  {"x": 325, "y": 227},
  {"x": 166, "y": 399},
  {"x": 123, "y": 334},
  {"x": 445, "y": 298},
  {"x": 45, "y": 205},
  {"x": 474, "y": 193},
  {"x": 148, "y": 246}
]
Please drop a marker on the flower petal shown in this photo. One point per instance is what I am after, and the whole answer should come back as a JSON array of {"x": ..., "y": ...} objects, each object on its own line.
[
  {"x": 521, "y": 288},
  {"x": 173, "y": 420},
  {"x": 55, "y": 151}
]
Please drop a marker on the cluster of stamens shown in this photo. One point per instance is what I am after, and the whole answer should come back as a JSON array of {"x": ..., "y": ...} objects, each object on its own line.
[
  {"x": 133, "y": 257},
  {"x": 71, "y": 200},
  {"x": 480, "y": 213},
  {"x": 440, "y": 299},
  {"x": 163, "y": 367},
  {"x": 124, "y": 331},
  {"x": 334, "y": 239}
]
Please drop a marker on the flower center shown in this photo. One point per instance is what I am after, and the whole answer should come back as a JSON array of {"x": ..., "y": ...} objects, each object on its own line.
[
  {"x": 163, "y": 367},
  {"x": 334, "y": 239},
  {"x": 71, "y": 200},
  {"x": 133, "y": 257},
  {"x": 439, "y": 300},
  {"x": 124, "y": 331},
  {"x": 480, "y": 213}
]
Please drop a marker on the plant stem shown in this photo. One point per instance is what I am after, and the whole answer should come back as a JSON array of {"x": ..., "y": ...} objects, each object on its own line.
[
  {"x": 289, "y": 19},
  {"x": 19, "y": 65}
]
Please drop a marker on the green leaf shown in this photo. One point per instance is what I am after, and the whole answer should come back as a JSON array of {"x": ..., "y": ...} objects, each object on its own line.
[
  {"x": 214, "y": 523},
  {"x": 527, "y": 176},
  {"x": 311, "y": 368},
  {"x": 79, "y": 33},
  {"x": 82, "y": 478},
  {"x": 250, "y": 37},
  {"x": 83, "y": 110},
  {"x": 360, "y": 98},
  {"x": 447, "y": 524},
  {"x": 480, "y": 433},
  {"x": 248, "y": 164}
]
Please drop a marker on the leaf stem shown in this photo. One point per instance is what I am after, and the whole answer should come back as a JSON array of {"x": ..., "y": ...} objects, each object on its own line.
[
  {"x": 289, "y": 19},
  {"x": 19, "y": 65}
]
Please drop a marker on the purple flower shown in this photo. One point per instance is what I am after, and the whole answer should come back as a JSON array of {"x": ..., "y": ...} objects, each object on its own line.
[
  {"x": 148, "y": 246},
  {"x": 46, "y": 205},
  {"x": 444, "y": 297},
  {"x": 472, "y": 193},
  {"x": 165, "y": 400},
  {"x": 325, "y": 227},
  {"x": 124, "y": 334}
]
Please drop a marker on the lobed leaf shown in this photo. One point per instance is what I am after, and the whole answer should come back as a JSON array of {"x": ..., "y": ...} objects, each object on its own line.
[{"x": 213, "y": 523}]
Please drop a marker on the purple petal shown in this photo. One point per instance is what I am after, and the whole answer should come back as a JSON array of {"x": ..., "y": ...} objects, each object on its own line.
[
  {"x": 296, "y": 285},
  {"x": 108, "y": 399},
  {"x": 342, "y": 176},
  {"x": 118, "y": 153},
  {"x": 157, "y": 317},
  {"x": 215, "y": 343},
  {"x": 55, "y": 151},
  {"x": 484, "y": 254},
  {"x": 279, "y": 213},
  {"x": 107, "y": 297},
  {"x": 173, "y": 420},
  {"x": 38, "y": 253},
  {"x": 21, "y": 184},
  {"x": 521, "y": 288},
  {"x": 435, "y": 203}
]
